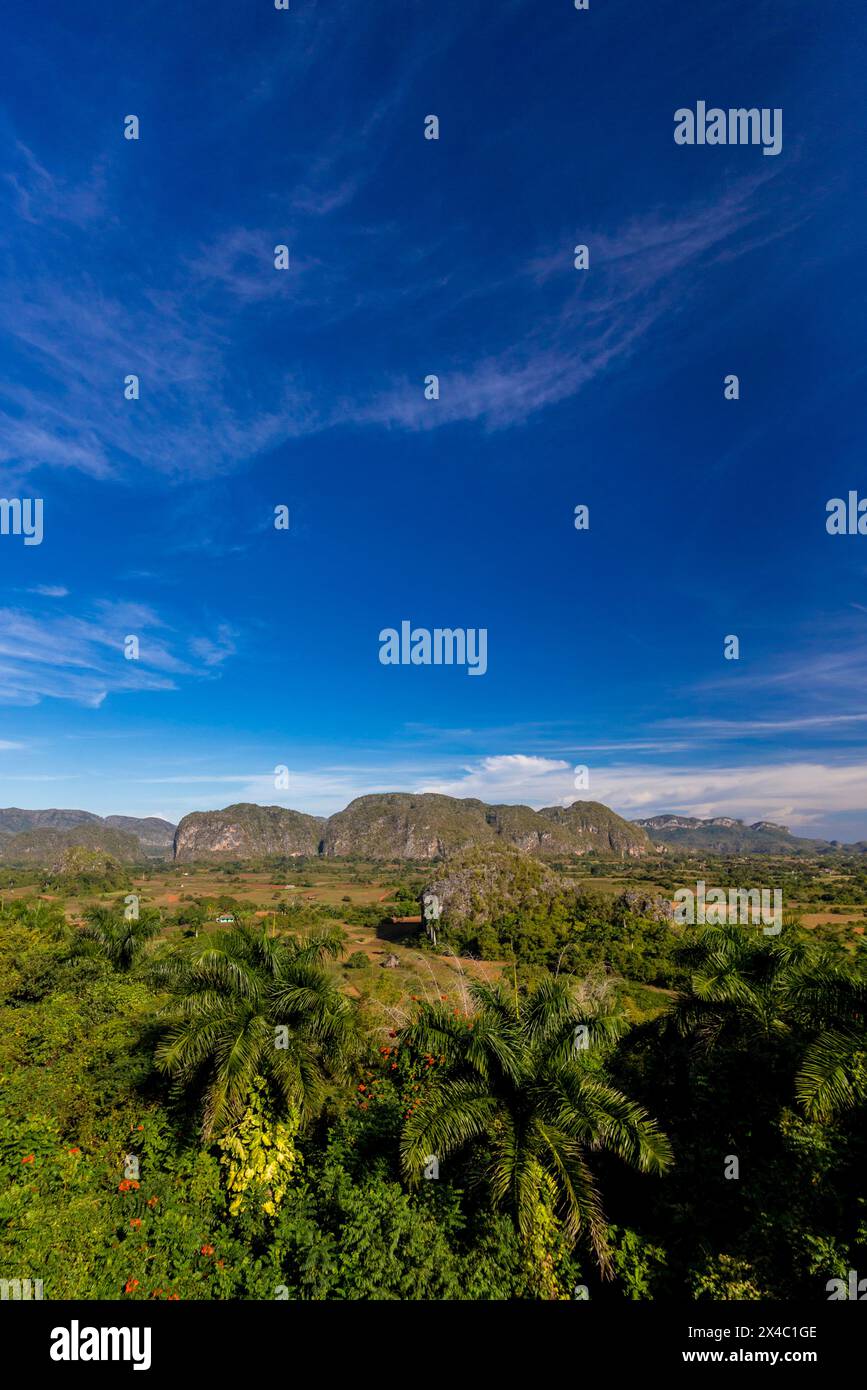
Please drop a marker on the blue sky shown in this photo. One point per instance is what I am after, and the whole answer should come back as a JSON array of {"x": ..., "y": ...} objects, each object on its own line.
[{"x": 260, "y": 387}]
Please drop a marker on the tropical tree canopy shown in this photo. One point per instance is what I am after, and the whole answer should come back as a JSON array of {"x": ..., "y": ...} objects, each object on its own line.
[
  {"x": 524, "y": 1083},
  {"x": 121, "y": 939},
  {"x": 247, "y": 1004}
]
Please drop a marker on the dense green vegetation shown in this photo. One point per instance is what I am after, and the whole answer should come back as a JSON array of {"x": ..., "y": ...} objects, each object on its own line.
[{"x": 193, "y": 1112}]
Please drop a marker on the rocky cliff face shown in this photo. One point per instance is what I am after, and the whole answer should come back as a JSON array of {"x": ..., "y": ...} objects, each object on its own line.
[
  {"x": 589, "y": 825},
  {"x": 397, "y": 825},
  {"x": 488, "y": 883},
  {"x": 401, "y": 825},
  {"x": 246, "y": 831}
]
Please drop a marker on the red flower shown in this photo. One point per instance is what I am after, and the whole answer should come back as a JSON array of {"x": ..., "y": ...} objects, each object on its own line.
[
  {"x": 394, "y": 1066},
  {"x": 135, "y": 1223},
  {"x": 362, "y": 1088},
  {"x": 207, "y": 1249},
  {"x": 130, "y": 1285},
  {"x": 75, "y": 1151},
  {"x": 29, "y": 1159}
]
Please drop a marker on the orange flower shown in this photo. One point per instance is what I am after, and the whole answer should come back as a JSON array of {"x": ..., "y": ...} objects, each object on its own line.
[
  {"x": 221, "y": 1264},
  {"x": 394, "y": 1066},
  {"x": 130, "y": 1285},
  {"x": 207, "y": 1249},
  {"x": 152, "y": 1201},
  {"x": 75, "y": 1151},
  {"x": 135, "y": 1223},
  {"x": 29, "y": 1159},
  {"x": 362, "y": 1087}
]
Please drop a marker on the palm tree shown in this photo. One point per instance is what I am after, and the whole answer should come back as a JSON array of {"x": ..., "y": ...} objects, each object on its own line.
[
  {"x": 742, "y": 986},
  {"x": 833, "y": 1074},
  {"x": 109, "y": 932},
  {"x": 47, "y": 917},
  {"x": 250, "y": 1005},
  {"x": 752, "y": 990},
  {"x": 518, "y": 1084}
]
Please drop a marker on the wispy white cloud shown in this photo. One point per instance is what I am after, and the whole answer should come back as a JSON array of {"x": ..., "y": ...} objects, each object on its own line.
[
  {"x": 639, "y": 274},
  {"x": 179, "y": 331},
  {"x": 213, "y": 651},
  {"x": 797, "y": 793},
  {"x": 40, "y": 196},
  {"x": 82, "y": 659},
  {"x": 742, "y": 728}
]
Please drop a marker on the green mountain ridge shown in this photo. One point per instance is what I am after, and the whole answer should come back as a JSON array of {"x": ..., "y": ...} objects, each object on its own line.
[
  {"x": 404, "y": 825},
  {"x": 389, "y": 826},
  {"x": 49, "y": 846},
  {"x": 728, "y": 835},
  {"x": 153, "y": 836},
  {"x": 246, "y": 831}
]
